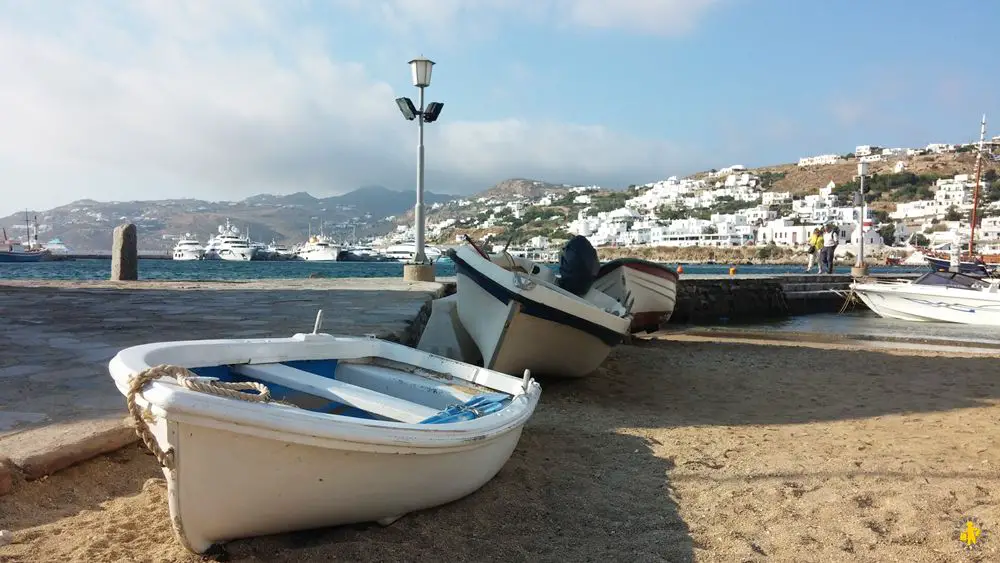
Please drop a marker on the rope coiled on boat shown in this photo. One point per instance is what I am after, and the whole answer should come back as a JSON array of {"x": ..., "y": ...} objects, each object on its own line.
[{"x": 189, "y": 380}]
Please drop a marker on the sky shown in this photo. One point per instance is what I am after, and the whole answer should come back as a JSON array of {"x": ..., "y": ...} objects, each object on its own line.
[{"x": 224, "y": 99}]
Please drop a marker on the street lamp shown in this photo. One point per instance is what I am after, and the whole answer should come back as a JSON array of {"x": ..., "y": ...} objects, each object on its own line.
[
  {"x": 860, "y": 269},
  {"x": 421, "y": 69}
]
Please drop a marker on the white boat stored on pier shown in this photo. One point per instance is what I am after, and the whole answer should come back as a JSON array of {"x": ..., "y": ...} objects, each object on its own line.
[
  {"x": 521, "y": 319},
  {"x": 651, "y": 287},
  {"x": 341, "y": 430},
  {"x": 935, "y": 296}
]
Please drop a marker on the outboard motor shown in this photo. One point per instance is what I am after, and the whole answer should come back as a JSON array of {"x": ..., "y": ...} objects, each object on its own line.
[{"x": 578, "y": 266}]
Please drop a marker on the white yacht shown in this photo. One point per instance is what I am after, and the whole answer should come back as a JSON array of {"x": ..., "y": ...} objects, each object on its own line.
[
  {"x": 405, "y": 251},
  {"x": 188, "y": 248},
  {"x": 229, "y": 245},
  {"x": 319, "y": 249},
  {"x": 277, "y": 251}
]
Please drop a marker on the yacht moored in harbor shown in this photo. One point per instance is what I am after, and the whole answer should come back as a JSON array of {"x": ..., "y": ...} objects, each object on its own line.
[
  {"x": 405, "y": 252},
  {"x": 319, "y": 249},
  {"x": 229, "y": 245},
  {"x": 188, "y": 248}
]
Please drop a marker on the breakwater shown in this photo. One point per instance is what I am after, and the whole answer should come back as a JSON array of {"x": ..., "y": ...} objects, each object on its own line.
[{"x": 721, "y": 299}]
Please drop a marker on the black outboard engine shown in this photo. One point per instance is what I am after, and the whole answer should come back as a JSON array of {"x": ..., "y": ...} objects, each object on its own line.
[{"x": 578, "y": 266}]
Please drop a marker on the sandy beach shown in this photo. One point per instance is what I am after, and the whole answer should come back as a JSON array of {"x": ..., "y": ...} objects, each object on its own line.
[{"x": 674, "y": 451}]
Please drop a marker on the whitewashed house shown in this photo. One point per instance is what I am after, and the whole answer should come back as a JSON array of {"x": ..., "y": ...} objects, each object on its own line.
[{"x": 821, "y": 160}]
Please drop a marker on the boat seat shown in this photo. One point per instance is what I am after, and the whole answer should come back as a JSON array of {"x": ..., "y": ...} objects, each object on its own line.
[
  {"x": 412, "y": 387},
  {"x": 374, "y": 402},
  {"x": 474, "y": 408}
]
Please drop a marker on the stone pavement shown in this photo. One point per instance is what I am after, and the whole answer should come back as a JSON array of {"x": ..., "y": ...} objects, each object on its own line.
[{"x": 57, "y": 337}]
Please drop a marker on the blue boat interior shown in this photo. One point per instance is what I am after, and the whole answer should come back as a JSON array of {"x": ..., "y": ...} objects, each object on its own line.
[{"x": 450, "y": 408}]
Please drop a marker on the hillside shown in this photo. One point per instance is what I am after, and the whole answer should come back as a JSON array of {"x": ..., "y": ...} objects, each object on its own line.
[
  {"x": 522, "y": 187},
  {"x": 506, "y": 190},
  {"x": 87, "y": 225},
  {"x": 806, "y": 180}
]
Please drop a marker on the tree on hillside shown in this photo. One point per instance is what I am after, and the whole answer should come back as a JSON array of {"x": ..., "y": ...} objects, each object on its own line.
[
  {"x": 768, "y": 178},
  {"x": 888, "y": 233},
  {"x": 670, "y": 213},
  {"x": 952, "y": 214}
]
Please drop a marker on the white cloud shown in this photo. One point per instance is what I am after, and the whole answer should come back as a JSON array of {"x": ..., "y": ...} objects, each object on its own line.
[
  {"x": 225, "y": 99},
  {"x": 432, "y": 18}
]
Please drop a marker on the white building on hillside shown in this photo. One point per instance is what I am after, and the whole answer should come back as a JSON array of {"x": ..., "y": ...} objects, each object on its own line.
[
  {"x": 821, "y": 160},
  {"x": 938, "y": 148},
  {"x": 948, "y": 192},
  {"x": 759, "y": 215},
  {"x": 784, "y": 232},
  {"x": 775, "y": 198}
]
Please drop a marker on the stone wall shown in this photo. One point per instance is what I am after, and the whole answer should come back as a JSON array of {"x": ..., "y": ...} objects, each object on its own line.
[{"x": 728, "y": 300}]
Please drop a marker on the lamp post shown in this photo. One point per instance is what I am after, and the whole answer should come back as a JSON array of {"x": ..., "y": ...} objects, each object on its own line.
[
  {"x": 420, "y": 269},
  {"x": 860, "y": 268}
]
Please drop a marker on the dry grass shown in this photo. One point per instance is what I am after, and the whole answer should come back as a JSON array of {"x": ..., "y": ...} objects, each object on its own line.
[{"x": 807, "y": 180}]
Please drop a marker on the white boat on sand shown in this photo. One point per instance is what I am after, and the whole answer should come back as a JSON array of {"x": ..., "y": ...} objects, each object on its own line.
[
  {"x": 341, "y": 430},
  {"x": 935, "y": 296},
  {"x": 521, "y": 319},
  {"x": 650, "y": 287}
]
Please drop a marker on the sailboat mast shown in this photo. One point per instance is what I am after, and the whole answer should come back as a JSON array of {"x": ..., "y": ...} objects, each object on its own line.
[{"x": 975, "y": 192}]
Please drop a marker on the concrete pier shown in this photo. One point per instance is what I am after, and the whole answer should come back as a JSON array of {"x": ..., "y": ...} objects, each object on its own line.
[
  {"x": 56, "y": 339},
  {"x": 713, "y": 298}
]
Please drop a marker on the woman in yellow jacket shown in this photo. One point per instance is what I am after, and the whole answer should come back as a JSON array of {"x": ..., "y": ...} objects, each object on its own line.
[{"x": 815, "y": 244}]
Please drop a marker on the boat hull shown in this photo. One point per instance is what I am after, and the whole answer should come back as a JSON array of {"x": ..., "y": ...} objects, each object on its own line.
[
  {"x": 651, "y": 287},
  {"x": 532, "y": 326},
  {"x": 20, "y": 257},
  {"x": 184, "y": 255},
  {"x": 937, "y": 304},
  {"x": 972, "y": 268},
  {"x": 320, "y": 256},
  {"x": 242, "y": 469},
  {"x": 230, "y": 255},
  {"x": 228, "y": 485}
]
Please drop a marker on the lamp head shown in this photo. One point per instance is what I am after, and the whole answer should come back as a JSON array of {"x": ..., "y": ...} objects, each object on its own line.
[
  {"x": 432, "y": 112},
  {"x": 407, "y": 108},
  {"x": 421, "y": 69}
]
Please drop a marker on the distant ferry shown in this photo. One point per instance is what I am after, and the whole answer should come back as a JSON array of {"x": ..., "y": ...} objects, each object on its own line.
[{"x": 56, "y": 246}]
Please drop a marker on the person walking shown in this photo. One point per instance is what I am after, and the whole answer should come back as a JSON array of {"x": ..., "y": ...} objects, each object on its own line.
[
  {"x": 815, "y": 245},
  {"x": 831, "y": 238}
]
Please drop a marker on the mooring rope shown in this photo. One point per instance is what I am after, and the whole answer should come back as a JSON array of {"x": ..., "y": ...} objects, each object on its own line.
[
  {"x": 189, "y": 380},
  {"x": 848, "y": 300}
]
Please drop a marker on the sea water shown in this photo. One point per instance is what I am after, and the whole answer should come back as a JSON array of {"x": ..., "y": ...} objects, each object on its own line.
[{"x": 212, "y": 270}]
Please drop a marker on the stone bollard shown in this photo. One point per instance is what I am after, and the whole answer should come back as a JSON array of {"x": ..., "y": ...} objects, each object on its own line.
[
  {"x": 125, "y": 254},
  {"x": 418, "y": 272}
]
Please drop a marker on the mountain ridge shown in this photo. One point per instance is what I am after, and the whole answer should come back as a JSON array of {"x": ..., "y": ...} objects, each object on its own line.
[{"x": 86, "y": 225}]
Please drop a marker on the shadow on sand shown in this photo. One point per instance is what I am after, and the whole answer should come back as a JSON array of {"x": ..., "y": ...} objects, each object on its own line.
[{"x": 659, "y": 384}]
